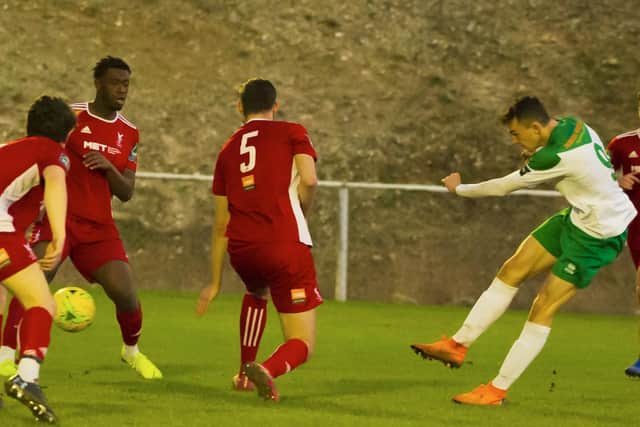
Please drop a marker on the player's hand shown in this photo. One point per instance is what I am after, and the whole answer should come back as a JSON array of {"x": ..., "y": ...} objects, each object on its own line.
[
  {"x": 451, "y": 181},
  {"x": 94, "y": 160},
  {"x": 52, "y": 256},
  {"x": 207, "y": 294},
  {"x": 627, "y": 181}
]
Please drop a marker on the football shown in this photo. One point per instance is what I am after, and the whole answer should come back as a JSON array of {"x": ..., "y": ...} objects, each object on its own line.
[{"x": 75, "y": 309}]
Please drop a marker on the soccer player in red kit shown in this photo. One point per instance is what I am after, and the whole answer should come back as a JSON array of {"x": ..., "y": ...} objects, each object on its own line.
[
  {"x": 263, "y": 186},
  {"x": 624, "y": 151},
  {"x": 102, "y": 149},
  {"x": 32, "y": 171}
]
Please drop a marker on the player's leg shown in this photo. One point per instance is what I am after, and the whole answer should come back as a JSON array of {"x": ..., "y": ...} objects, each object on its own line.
[
  {"x": 116, "y": 279},
  {"x": 290, "y": 272},
  {"x": 14, "y": 315},
  {"x": 530, "y": 259},
  {"x": 634, "y": 249},
  {"x": 553, "y": 295},
  {"x": 581, "y": 258},
  {"x": 299, "y": 330},
  {"x": 30, "y": 287},
  {"x": 253, "y": 318}
]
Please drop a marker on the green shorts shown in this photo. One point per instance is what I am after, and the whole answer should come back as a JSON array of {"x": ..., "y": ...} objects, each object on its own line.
[{"x": 579, "y": 255}]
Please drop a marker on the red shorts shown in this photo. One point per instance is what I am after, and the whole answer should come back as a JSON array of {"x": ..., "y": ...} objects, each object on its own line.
[
  {"x": 633, "y": 241},
  {"x": 90, "y": 245},
  {"x": 286, "y": 268},
  {"x": 15, "y": 254}
]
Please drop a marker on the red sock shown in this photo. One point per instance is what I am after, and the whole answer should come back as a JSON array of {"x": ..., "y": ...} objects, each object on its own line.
[
  {"x": 253, "y": 317},
  {"x": 14, "y": 316},
  {"x": 130, "y": 325},
  {"x": 287, "y": 357},
  {"x": 35, "y": 333}
]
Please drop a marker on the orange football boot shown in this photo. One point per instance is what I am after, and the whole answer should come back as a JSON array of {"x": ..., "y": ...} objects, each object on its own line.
[
  {"x": 483, "y": 395},
  {"x": 446, "y": 350}
]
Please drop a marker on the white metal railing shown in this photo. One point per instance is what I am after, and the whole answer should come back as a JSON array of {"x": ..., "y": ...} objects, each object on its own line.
[{"x": 340, "y": 290}]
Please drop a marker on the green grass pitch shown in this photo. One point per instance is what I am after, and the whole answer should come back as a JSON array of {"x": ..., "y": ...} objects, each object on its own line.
[{"x": 362, "y": 374}]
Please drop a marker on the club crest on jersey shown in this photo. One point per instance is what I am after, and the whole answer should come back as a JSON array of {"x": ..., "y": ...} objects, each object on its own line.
[
  {"x": 119, "y": 141},
  {"x": 298, "y": 296},
  {"x": 248, "y": 182},
  {"x": 4, "y": 258}
]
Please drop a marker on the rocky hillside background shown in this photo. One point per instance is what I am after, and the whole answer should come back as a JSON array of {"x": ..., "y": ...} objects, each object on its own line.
[{"x": 398, "y": 91}]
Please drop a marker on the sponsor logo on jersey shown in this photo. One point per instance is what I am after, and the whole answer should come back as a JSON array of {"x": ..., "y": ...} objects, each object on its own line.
[
  {"x": 86, "y": 130},
  {"x": 633, "y": 155},
  {"x": 119, "y": 141},
  {"x": 635, "y": 168},
  {"x": 64, "y": 161},
  {"x": 103, "y": 148},
  {"x": 525, "y": 169},
  {"x": 570, "y": 268},
  {"x": 248, "y": 182},
  {"x": 4, "y": 258},
  {"x": 298, "y": 296}
]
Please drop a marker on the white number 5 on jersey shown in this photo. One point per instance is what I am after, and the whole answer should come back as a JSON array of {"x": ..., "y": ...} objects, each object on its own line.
[{"x": 248, "y": 149}]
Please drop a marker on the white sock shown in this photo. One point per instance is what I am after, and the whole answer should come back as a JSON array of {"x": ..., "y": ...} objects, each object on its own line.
[
  {"x": 7, "y": 352},
  {"x": 29, "y": 369},
  {"x": 488, "y": 308},
  {"x": 130, "y": 350},
  {"x": 522, "y": 353}
]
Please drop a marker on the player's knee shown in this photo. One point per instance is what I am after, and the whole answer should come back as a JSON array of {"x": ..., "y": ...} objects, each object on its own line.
[{"x": 514, "y": 271}]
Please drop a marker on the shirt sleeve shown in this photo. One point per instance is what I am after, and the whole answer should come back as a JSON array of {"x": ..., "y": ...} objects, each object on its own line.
[
  {"x": 132, "y": 159},
  {"x": 55, "y": 155},
  {"x": 301, "y": 143},
  {"x": 525, "y": 177},
  {"x": 613, "y": 151},
  {"x": 219, "y": 187}
]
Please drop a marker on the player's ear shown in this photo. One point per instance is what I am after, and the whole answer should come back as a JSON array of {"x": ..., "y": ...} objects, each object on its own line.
[
  {"x": 275, "y": 107},
  {"x": 239, "y": 107},
  {"x": 537, "y": 127}
]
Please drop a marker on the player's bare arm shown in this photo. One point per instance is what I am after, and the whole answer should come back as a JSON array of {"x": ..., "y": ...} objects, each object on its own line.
[
  {"x": 306, "y": 167},
  {"x": 219, "y": 243},
  {"x": 451, "y": 181},
  {"x": 55, "y": 203},
  {"x": 121, "y": 184}
]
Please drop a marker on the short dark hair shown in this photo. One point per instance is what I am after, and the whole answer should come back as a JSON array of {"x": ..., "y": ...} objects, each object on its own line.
[
  {"x": 109, "y": 62},
  {"x": 527, "y": 109},
  {"x": 50, "y": 117},
  {"x": 257, "y": 95}
]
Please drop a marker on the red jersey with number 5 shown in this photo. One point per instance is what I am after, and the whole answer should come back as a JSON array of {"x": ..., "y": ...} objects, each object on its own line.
[
  {"x": 117, "y": 139},
  {"x": 256, "y": 171},
  {"x": 624, "y": 150},
  {"x": 21, "y": 182}
]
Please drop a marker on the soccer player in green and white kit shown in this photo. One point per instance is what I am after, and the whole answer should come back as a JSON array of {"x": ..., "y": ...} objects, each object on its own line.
[{"x": 571, "y": 245}]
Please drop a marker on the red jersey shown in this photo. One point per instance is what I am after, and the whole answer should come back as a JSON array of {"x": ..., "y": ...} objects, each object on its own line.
[
  {"x": 256, "y": 171},
  {"x": 117, "y": 139},
  {"x": 624, "y": 150},
  {"x": 21, "y": 182}
]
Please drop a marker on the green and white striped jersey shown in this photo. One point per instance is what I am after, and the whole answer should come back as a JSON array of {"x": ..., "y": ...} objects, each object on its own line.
[{"x": 575, "y": 157}]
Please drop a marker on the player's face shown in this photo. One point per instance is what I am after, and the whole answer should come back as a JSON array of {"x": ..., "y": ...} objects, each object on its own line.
[
  {"x": 528, "y": 137},
  {"x": 112, "y": 88}
]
